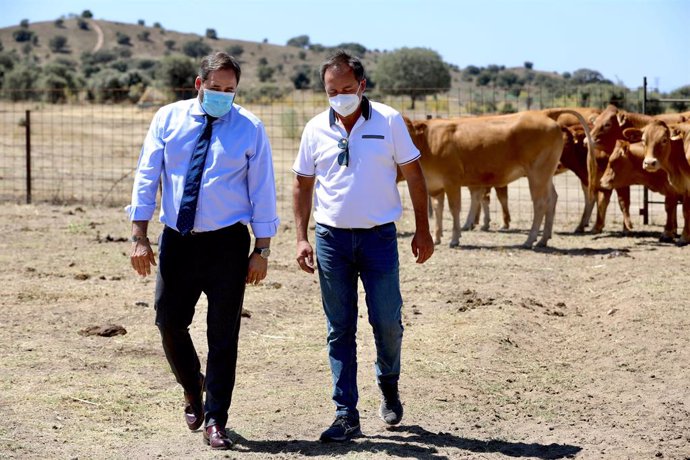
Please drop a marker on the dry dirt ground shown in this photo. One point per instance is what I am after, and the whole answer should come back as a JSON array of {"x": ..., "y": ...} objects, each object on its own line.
[{"x": 576, "y": 351}]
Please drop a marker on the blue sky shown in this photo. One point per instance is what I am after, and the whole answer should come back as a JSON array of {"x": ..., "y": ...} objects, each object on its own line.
[{"x": 623, "y": 39}]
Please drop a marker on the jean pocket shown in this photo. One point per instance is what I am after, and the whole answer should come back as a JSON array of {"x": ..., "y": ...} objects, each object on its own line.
[
  {"x": 386, "y": 232},
  {"x": 322, "y": 232}
]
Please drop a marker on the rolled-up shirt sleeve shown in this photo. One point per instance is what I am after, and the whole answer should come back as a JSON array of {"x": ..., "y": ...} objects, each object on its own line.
[
  {"x": 262, "y": 188},
  {"x": 148, "y": 174}
]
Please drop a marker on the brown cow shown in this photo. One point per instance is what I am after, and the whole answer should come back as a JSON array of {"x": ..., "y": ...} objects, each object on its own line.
[
  {"x": 668, "y": 153},
  {"x": 492, "y": 151},
  {"x": 607, "y": 128},
  {"x": 625, "y": 168}
]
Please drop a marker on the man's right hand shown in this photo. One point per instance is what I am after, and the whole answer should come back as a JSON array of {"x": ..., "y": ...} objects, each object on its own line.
[
  {"x": 142, "y": 257},
  {"x": 305, "y": 256}
]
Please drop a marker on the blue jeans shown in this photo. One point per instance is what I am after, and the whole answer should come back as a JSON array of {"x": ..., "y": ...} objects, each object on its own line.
[{"x": 343, "y": 255}]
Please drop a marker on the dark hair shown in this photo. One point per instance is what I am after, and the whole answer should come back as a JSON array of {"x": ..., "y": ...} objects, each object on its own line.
[
  {"x": 341, "y": 59},
  {"x": 219, "y": 61}
]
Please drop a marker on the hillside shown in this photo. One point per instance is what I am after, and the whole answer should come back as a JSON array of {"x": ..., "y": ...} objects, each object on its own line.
[{"x": 106, "y": 55}]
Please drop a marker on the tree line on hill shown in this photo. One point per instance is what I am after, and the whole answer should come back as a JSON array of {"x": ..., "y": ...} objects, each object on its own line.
[{"x": 115, "y": 74}]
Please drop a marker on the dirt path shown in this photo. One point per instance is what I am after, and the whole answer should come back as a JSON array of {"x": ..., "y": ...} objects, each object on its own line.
[
  {"x": 577, "y": 351},
  {"x": 99, "y": 33}
]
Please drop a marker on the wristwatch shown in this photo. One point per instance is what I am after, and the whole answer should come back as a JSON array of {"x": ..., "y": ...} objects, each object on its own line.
[
  {"x": 137, "y": 238},
  {"x": 263, "y": 252}
]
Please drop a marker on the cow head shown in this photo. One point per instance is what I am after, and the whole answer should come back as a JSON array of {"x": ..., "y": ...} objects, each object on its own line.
[
  {"x": 417, "y": 130},
  {"x": 607, "y": 128},
  {"x": 620, "y": 165},
  {"x": 656, "y": 140}
]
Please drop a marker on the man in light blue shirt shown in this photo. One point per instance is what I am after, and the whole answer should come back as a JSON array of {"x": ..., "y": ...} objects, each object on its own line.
[{"x": 214, "y": 160}]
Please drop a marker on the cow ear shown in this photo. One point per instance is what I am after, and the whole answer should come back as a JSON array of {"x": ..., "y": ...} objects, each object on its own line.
[
  {"x": 632, "y": 135},
  {"x": 675, "y": 133},
  {"x": 621, "y": 118}
]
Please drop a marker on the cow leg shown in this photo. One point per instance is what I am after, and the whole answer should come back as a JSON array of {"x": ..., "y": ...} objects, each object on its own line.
[
  {"x": 624, "y": 203},
  {"x": 540, "y": 203},
  {"x": 587, "y": 212},
  {"x": 437, "y": 205},
  {"x": 685, "y": 237},
  {"x": 486, "y": 201},
  {"x": 453, "y": 194},
  {"x": 603, "y": 198},
  {"x": 549, "y": 217},
  {"x": 670, "y": 204},
  {"x": 476, "y": 194},
  {"x": 502, "y": 195}
]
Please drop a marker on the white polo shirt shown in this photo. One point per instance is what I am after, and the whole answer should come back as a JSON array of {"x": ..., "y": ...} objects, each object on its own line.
[{"x": 364, "y": 193}]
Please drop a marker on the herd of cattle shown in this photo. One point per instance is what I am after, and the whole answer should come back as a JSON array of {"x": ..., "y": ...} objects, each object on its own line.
[{"x": 607, "y": 150}]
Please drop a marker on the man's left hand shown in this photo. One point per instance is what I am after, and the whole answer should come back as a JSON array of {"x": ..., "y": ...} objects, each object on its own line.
[
  {"x": 258, "y": 267},
  {"x": 422, "y": 246}
]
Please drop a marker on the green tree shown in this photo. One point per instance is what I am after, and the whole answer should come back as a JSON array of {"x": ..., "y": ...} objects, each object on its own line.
[
  {"x": 19, "y": 82},
  {"x": 24, "y": 23},
  {"x": 211, "y": 33},
  {"x": 301, "y": 78},
  {"x": 59, "y": 23},
  {"x": 87, "y": 14},
  {"x": 169, "y": 44},
  {"x": 157, "y": 25},
  {"x": 176, "y": 73},
  {"x": 300, "y": 41},
  {"x": 412, "y": 71},
  {"x": 196, "y": 48},
  {"x": 585, "y": 76},
  {"x": 82, "y": 24},
  {"x": 353, "y": 48},
  {"x": 141, "y": 22},
  {"x": 58, "y": 44},
  {"x": 681, "y": 93},
  {"x": 529, "y": 65},
  {"x": 60, "y": 80},
  {"x": 143, "y": 35}
]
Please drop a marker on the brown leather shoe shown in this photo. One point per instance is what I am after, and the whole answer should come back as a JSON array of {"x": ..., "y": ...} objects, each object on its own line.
[
  {"x": 217, "y": 438},
  {"x": 194, "y": 407}
]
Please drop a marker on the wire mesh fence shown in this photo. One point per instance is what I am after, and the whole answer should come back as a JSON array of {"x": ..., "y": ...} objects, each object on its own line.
[{"x": 86, "y": 150}]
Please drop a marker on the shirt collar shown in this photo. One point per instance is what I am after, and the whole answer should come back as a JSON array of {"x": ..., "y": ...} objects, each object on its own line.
[{"x": 365, "y": 105}]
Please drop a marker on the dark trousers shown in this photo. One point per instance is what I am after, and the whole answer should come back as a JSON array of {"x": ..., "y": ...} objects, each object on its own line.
[{"x": 214, "y": 263}]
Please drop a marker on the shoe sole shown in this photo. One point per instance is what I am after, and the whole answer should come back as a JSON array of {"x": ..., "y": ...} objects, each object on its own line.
[{"x": 354, "y": 434}]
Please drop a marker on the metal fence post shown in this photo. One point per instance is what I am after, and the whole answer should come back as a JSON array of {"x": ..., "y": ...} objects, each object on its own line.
[
  {"x": 27, "y": 127},
  {"x": 645, "y": 192}
]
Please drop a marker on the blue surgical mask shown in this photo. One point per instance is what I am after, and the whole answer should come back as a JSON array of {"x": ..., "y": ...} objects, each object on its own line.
[{"x": 217, "y": 103}]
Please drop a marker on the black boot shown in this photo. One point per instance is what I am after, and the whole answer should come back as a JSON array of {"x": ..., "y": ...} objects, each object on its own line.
[{"x": 391, "y": 410}]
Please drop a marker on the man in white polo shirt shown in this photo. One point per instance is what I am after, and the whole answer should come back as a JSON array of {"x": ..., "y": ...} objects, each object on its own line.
[{"x": 350, "y": 154}]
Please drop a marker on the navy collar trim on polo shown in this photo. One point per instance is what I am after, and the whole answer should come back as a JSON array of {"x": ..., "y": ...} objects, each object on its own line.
[{"x": 365, "y": 105}]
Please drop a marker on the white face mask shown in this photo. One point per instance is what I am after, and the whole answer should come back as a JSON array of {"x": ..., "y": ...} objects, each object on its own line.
[{"x": 345, "y": 104}]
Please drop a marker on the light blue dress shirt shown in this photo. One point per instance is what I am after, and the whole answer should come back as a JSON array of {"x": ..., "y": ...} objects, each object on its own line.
[{"x": 237, "y": 185}]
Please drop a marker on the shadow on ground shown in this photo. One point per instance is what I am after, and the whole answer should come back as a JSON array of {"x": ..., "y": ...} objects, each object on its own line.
[{"x": 410, "y": 441}]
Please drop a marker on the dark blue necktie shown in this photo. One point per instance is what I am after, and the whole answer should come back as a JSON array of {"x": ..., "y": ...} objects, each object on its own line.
[{"x": 192, "y": 183}]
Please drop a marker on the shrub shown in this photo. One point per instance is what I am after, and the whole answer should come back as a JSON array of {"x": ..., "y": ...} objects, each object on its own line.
[
  {"x": 58, "y": 44},
  {"x": 301, "y": 41},
  {"x": 196, "y": 48},
  {"x": 265, "y": 73},
  {"x": 169, "y": 44},
  {"x": 177, "y": 73},
  {"x": 157, "y": 25},
  {"x": 23, "y": 35},
  {"x": 302, "y": 55},
  {"x": 211, "y": 33},
  {"x": 59, "y": 23},
  {"x": 82, "y": 24},
  {"x": 24, "y": 23},
  {"x": 141, "y": 22},
  {"x": 301, "y": 78},
  {"x": 528, "y": 65},
  {"x": 86, "y": 14},
  {"x": 235, "y": 50},
  {"x": 122, "y": 38},
  {"x": 143, "y": 35}
]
